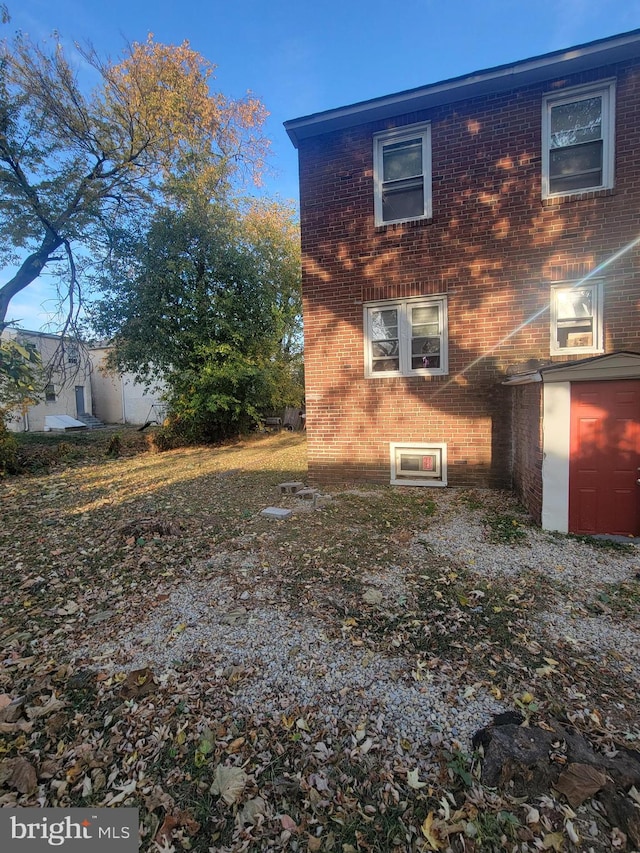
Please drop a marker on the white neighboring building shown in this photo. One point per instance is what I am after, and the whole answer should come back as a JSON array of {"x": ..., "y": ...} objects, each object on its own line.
[
  {"x": 118, "y": 398},
  {"x": 81, "y": 387},
  {"x": 65, "y": 390}
]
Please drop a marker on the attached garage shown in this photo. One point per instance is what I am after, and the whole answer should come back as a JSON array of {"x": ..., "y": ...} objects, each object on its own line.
[{"x": 589, "y": 445}]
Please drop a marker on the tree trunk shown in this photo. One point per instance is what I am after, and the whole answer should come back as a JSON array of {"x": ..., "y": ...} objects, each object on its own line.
[{"x": 28, "y": 272}]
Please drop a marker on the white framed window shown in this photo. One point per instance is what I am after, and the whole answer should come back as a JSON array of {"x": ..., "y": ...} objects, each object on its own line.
[
  {"x": 578, "y": 140},
  {"x": 406, "y": 337},
  {"x": 50, "y": 393},
  {"x": 576, "y": 318},
  {"x": 402, "y": 174},
  {"x": 418, "y": 464}
]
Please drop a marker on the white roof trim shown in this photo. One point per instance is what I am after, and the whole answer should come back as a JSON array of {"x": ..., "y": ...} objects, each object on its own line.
[{"x": 615, "y": 365}]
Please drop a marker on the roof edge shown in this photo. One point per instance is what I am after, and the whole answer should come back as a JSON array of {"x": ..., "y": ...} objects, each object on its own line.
[
  {"x": 624, "y": 364},
  {"x": 593, "y": 54}
]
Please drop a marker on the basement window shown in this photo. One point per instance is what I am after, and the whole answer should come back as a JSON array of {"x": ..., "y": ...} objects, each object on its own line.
[{"x": 416, "y": 464}]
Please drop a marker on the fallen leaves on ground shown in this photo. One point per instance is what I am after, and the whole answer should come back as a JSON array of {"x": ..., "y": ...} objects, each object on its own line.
[{"x": 93, "y": 549}]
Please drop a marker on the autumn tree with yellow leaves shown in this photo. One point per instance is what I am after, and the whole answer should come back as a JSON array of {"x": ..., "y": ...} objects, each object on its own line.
[{"x": 76, "y": 166}]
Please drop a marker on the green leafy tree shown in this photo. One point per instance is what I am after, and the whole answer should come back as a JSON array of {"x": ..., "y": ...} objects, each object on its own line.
[
  {"x": 210, "y": 300},
  {"x": 75, "y": 165},
  {"x": 19, "y": 364}
]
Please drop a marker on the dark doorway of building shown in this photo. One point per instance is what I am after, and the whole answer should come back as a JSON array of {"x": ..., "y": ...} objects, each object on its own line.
[{"x": 80, "y": 400}]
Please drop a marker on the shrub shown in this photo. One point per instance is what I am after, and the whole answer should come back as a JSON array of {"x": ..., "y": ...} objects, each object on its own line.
[
  {"x": 176, "y": 432},
  {"x": 114, "y": 448},
  {"x": 8, "y": 450}
]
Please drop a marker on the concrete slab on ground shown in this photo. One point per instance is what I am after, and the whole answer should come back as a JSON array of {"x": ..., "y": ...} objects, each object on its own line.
[{"x": 276, "y": 512}]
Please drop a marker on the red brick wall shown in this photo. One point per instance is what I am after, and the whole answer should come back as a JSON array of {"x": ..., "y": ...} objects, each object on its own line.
[
  {"x": 527, "y": 446},
  {"x": 493, "y": 247}
]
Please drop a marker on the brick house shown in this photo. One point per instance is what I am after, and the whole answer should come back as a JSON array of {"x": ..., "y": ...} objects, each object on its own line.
[{"x": 471, "y": 285}]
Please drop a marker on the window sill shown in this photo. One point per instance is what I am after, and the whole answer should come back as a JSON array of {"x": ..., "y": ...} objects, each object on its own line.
[
  {"x": 585, "y": 195},
  {"x": 582, "y": 351},
  {"x": 402, "y": 224},
  {"x": 415, "y": 375}
]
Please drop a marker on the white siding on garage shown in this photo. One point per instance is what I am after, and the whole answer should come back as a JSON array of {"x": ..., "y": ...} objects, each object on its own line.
[{"x": 555, "y": 456}]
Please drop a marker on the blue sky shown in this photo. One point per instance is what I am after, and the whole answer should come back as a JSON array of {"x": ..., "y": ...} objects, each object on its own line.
[{"x": 306, "y": 56}]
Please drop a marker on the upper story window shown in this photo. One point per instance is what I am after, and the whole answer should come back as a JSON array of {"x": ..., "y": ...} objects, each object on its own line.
[
  {"x": 576, "y": 318},
  {"x": 578, "y": 140},
  {"x": 402, "y": 174},
  {"x": 406, "y": 337}
]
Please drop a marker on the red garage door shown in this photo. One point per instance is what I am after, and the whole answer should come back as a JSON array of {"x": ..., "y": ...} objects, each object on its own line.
[{"x": 604, "y": 496}]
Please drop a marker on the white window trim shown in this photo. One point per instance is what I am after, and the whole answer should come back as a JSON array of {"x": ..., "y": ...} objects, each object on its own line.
[
  {"x": 392, "y": 136},
  {"x": 605, "y": 88},
  {"x": 598, "y": 325},
  {"x": 404, "y": 332}
]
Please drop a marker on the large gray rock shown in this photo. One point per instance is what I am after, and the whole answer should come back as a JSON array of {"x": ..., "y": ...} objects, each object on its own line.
[
  {"x": 516, "y": 759},
  {"x": 513, "y": 751},
  {"x": 528, "y": 761}
]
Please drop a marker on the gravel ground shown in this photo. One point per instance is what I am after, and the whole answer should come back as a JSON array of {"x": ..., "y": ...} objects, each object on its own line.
[
  {"x": 283, "y": 659},
  {"x": 579, "y": 572},
  {"x": 279, "y": 656}
]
